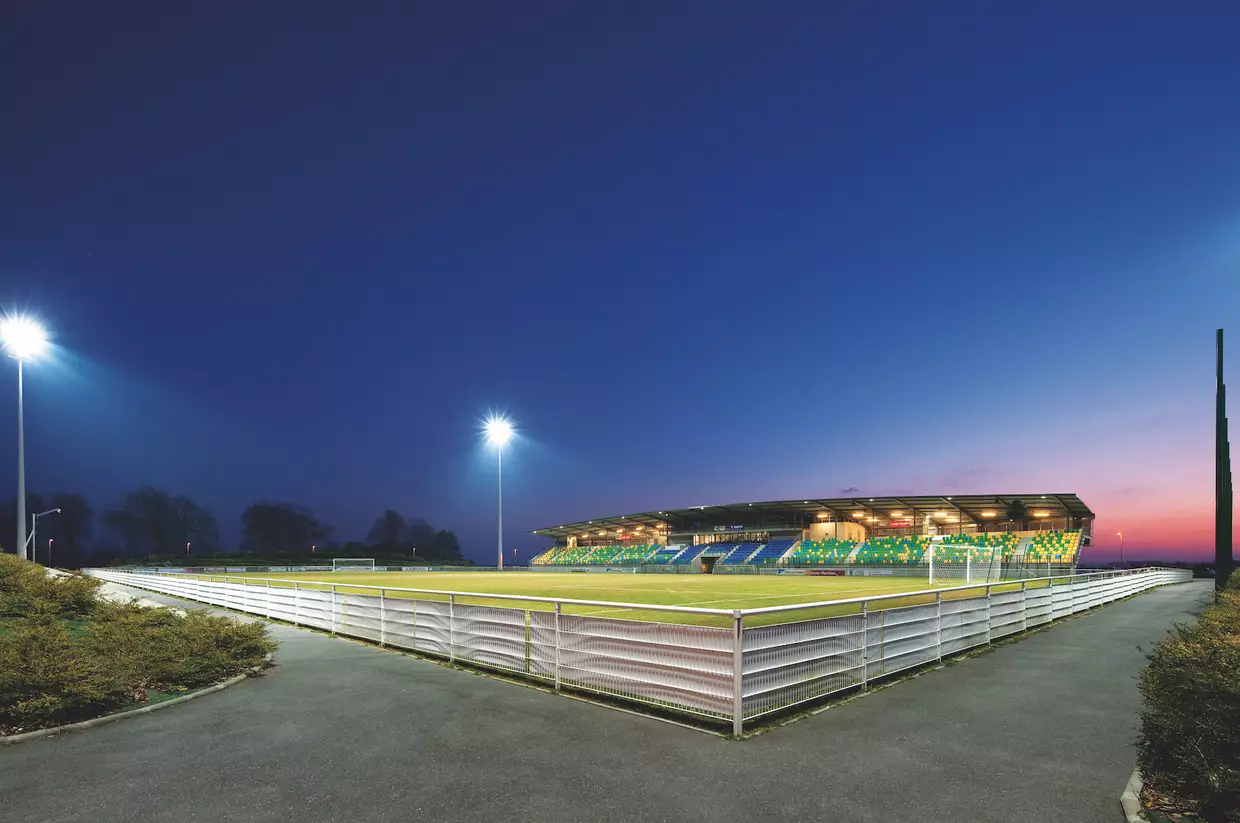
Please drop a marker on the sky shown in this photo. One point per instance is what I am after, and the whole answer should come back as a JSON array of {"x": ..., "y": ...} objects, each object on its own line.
[{"x": 700, "y": 252}]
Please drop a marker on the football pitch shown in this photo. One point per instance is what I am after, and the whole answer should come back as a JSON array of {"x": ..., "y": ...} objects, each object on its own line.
[{"x": 700, "y": 590}]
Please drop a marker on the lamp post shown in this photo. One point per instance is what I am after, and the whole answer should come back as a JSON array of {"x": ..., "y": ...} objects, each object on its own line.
[
  {"x": 50, "y": 541},
  {"x": 34, "y": 523},
  {"x": 1121, "y": 547},
  {"x": 23, "y": 339},
  {"x": 499, "y": 431},
  {"x": 187, "y": 549}
]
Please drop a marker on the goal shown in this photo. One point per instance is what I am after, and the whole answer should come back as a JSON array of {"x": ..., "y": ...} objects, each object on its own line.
[
  {"x": 963, "y": 563},
  {"x": 343, "y": 564}
]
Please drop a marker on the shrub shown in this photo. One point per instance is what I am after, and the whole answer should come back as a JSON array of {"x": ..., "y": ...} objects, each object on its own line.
[
  {"x": 51, "y": 675},
  {"x": 26, "y": 588},
  {"x": 45, "y": 680},
  {"x": 1189, "y": 743},
  {"x": 160, "y": 649}
]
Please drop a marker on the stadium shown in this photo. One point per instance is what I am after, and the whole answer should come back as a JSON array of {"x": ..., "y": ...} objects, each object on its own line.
[
  {"x": 777, "y": 604},
  {"x": 987, "y": 537}
]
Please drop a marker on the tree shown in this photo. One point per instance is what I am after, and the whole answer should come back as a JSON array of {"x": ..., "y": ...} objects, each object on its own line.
[
  {"x": 69, "y": 528},
  {"x": 420, "y": 533},
  {"x": 1017, "y": 512},
  {"x": 443, "y": 547},
  {"x": 390, "y": 532},
  {"x": 150, "y": 521},
  {"x": 281, "y": 528}
]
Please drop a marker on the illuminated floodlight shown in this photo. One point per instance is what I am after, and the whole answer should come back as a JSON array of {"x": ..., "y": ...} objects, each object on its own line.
[
  {"x": 23, "y": 338},
  {"x": 499, "y": 430}
]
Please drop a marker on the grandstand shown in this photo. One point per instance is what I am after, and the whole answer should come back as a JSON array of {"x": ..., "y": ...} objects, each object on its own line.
[
  {"x": 742, "y": 553},
  {"x": 848, "y": 533},
  {"x": 831, "y": 551},
  {"x": 772, "y": 551},
  {"x": 664, "y": 556},
  {"x": 1053, "y": 547},
  {"x": 890, "y": 551}
]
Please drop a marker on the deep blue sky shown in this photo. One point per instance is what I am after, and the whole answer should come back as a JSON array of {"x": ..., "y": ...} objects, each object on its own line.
[{"x": 701, "y": 252}]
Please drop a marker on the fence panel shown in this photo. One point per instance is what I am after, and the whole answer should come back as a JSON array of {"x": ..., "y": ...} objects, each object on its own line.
[
  {"x": 790, "y": 663},
  {"x": 542, "y": 644},
  {"x": 1037, "y": 606},
  {"x": 684, "y": 667},
  {"x": 281, "y": 603},
  {"x": 314, "y": 608},
  {"x": 964, "y": 624},
  {"x": 432, "y": 628},
  {"x": 359, "y": 615},
  {"x": 1061, "y": 600},
  {"x": 400, "y": 622},
  {"x": 1007, "y": 613},
  {"x": 900, "y": 638},
  {"x": 490, "y": 636}
]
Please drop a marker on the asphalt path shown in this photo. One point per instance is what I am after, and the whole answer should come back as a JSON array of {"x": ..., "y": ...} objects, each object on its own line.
[{"x": 1037, "y": 730}]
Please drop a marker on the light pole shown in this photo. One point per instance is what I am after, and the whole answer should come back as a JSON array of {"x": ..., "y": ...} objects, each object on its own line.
[
  {"x": 23, "y": 339},
  {"x": 1121, "y": 547},
  {"x": 50, "y": 541},
  {"x": 499, "y": 431},
  {"x": 34, "y": 523},
  {"x": 187, "y": 549}
]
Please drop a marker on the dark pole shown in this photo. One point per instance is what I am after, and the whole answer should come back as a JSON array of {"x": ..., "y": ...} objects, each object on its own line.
[{"x": 1223, "y": 560}]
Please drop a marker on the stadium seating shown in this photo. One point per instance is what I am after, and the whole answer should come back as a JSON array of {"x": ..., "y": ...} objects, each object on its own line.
[
  {"x": 950, "y": 549},
  {"x": 633, "y": 555},
  {"x": 1058, "y": 547},
  {"x": 547, "y": 558},
  {"x": 602, "y": 555},
  {"x": 573, "y": 557},
  {"x": 892, "y": 550},
  {"x": 741, "y": 553},
  {"x": 829, "y": 552},
  {"x": 690, "y": 554},
  {"x": 771, "y": 552},
  {"x": 1054, "y": 547},
  {"x": 665, "y": 555}
]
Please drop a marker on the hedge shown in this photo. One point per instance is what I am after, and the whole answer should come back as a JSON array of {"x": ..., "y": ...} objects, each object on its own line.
[
  {"x": 67, "y": 655},
  {"x": 1189, "y": 741}
]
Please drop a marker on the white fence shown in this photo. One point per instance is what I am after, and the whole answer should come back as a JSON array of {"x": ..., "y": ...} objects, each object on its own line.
[{"x": 729, "y": 674}]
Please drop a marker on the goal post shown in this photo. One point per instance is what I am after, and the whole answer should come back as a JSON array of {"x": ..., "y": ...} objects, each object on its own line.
[
  {"x": 352, "y": 564},
  {"x": 962, "y": 563}
]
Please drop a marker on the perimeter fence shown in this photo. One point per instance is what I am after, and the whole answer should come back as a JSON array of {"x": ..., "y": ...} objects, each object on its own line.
[{"x": 730, "y": 673}]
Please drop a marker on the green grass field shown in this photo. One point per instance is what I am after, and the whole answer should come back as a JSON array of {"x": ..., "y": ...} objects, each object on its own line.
[{"x": 707, "y": 591}]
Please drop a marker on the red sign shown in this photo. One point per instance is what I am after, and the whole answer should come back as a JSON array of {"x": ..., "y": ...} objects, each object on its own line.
[
  {"x": 826, "y": 572},
  {"x": 900, "y": 524}
]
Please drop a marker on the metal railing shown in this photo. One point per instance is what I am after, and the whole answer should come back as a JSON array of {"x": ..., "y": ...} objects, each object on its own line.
[{"x": 734, "y": 674}]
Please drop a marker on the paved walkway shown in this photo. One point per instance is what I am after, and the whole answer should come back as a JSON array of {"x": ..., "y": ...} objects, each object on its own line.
[{"x": 1039, "y": 730}]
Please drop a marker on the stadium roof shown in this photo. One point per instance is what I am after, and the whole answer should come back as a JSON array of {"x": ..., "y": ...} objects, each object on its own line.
[{"x": 976, "y": 508}]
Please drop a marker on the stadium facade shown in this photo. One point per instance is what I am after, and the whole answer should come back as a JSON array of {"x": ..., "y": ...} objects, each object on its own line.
[{"x": 884, "y": 531}]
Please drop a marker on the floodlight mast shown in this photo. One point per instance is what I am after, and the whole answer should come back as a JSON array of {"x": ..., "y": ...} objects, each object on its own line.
[
  {"x": 499, "y": 430},
  {"x": 23, "y": 339}
]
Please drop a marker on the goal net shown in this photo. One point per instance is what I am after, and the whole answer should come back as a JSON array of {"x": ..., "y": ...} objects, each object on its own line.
[
  {"x": 343, "y": 564},
  {"x": 963, "y": 564}
]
